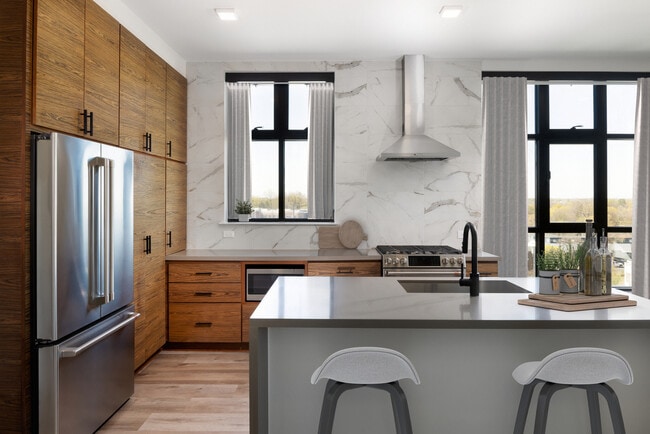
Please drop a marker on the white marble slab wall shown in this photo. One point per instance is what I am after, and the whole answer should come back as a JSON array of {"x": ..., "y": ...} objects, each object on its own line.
[{"x": 395, "y": 202}]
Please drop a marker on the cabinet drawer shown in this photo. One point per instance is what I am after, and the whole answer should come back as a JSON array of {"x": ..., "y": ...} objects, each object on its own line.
[
  {"x": 348, "y": 268},
  {"x": 205, "y": 292},
  {"x": 204, "y": 272},
  {"x": 210, "y": 322},
  {"x": 485, "y": 268}
]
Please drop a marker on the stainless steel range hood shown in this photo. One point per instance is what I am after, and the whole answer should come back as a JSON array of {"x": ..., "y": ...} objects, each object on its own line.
[{"x": 414, "y": 145}]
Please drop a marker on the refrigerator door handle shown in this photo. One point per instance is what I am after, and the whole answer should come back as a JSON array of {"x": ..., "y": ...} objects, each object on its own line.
[
  {"x": 101, "y": 228},
  {"x": 75, "y": 351}
]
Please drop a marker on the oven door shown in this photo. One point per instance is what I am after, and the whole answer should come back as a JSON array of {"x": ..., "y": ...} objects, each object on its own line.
[
  {"x": 260, "y": 278},
  {"x": 423, "y": 272}
]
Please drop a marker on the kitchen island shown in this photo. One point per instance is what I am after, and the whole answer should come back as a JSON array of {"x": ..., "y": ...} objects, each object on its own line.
[{"x": 463, "y": 348}]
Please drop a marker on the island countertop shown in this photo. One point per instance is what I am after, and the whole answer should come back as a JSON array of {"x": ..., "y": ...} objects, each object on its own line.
[{"x": 383, "y": 302}]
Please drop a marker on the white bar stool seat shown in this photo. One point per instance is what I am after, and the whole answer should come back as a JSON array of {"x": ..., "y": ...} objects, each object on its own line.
[
  {"x": 585, "y": 368},
  {"x": 351, "y": 368}
]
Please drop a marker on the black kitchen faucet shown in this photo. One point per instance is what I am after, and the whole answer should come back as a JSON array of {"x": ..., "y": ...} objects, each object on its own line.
[{"x": 473, "y": 281}]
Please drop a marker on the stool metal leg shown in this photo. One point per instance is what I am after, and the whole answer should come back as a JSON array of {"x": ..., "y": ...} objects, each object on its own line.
[
  {"x": 333, "y": 391},
  {"x": 524, "y": 404},
  {"x": 594, "y": 409},
  {"x": 614, "y": 406},
  {"x": 400, "y": 406},
  {"x": 545, "y": 394}
]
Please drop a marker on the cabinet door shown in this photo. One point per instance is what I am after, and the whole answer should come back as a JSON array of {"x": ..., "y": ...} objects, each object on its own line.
[
  {"x": 59, "y": 64},
  {"x": 176, "y": 111},
  {"x": 347, "y": 268},
  {"x": 132, "y": 91},
  {"x": 175, "y": 206},
  {"x": 149, "y": 268},
  {"x": 102, "y": 72},
  {"x": 156, "y": 91}
]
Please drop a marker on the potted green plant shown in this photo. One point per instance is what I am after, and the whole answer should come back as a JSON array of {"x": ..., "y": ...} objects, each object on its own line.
[
  {"x": 569, "y": 260},
  {"x": 244, "y": 209},
  {"x": 548, "y": 271}
]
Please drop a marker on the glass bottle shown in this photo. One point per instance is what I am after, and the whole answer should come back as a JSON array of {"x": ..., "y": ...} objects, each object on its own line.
[
  {"x": 605, "y": 262},
  {"x": 591, "y": 283},
  {"x": 585, "y": 248}
]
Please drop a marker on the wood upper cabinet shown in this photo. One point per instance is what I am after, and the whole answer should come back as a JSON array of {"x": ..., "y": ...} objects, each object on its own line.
[
  {"x": 176, "y": 116},
  {"x": 175, "y": 206},
  {"x": 149, "y": 286},
  {"x": 143, "y": 89},
  {"x": 76, "y": 69}
]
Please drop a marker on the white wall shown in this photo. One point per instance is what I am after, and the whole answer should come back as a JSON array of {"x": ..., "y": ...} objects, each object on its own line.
[{"x": 395, "y": 202}]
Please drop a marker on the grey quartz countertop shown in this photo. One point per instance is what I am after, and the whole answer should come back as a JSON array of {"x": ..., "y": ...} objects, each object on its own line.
[
  {"x": 382, "y": 302},
  {"x": 287, "y": 255}
]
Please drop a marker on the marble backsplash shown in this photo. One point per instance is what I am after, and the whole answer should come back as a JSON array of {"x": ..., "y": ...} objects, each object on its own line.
[{"x": 396, "y": 202}]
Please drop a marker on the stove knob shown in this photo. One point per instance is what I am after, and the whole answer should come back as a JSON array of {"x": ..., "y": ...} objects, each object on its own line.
[
  {"x": 402, "y": 261},
  {"x": 389, "y": 261},
  {"x": 444, "y": 261},
  {"x": 452, "y": 261}
]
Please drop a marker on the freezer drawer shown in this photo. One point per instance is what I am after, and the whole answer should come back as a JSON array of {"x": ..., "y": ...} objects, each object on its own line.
[{"x": 85, "y": 379}]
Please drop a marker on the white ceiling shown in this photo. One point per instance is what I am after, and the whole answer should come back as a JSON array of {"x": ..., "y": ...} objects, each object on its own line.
[{"x": 387, "y": 29}]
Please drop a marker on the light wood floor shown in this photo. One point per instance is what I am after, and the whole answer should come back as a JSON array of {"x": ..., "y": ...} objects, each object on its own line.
[{"x": 189, "y": 392}]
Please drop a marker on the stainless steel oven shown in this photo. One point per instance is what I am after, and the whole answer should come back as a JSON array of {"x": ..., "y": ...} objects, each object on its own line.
[
  {"x": 421, "y": 261},
  {"x": 260, "y": 277}
]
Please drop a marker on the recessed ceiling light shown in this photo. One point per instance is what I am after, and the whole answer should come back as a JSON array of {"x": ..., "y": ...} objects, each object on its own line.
[
  {"x": 226, "y": 14},
  {"x": 450, "y": 11}
]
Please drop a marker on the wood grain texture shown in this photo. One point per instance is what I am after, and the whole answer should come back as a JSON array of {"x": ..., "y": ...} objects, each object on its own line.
[
  {"x": 205, "y": 322},
  {"x": 132, "y": 91},
  {"x": 485, "y": 268},
  {"x": 176, "y": 114},
  {"x": 247, "y": 310},
  {"x": 59, "y": 64},
  {"x": 187, "y": 391},
  {"x": 328, "y": 237},
  {"x": 149, "y": 284},
  {"x": 347, "y": 268},
  {"x": 205, "y": 292},
  {"x": 102, "y": 72},
  {"x": 156, "y": 90},
  {"x": 576, "y": 307},
  {"x": 351, "y": 234},
  {"x": 175, "y": 206},
  {"x": 15, "y": 46},
  {"x": 208, "y": 271}
]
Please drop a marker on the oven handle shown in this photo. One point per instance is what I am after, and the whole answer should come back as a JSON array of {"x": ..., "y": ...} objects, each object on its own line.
[{"x": 422, "y": 273}]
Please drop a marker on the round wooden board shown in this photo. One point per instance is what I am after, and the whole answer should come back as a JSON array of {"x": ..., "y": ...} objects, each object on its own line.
[{"x": 351, "y": 234}]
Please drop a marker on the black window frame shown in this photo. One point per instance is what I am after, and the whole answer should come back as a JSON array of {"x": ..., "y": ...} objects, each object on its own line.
[
  {"x": 280, "y": 132},
  {"x": 544, "y": 136}
]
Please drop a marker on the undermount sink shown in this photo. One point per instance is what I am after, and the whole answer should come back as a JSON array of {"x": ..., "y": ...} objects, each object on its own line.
[{"x": 452, "y": 286}]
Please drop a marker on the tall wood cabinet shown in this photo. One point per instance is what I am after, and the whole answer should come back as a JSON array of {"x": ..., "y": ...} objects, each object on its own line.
[
  {"x": 76, "y": 63},
  {"x": 175, "y": 206},
  {"x": 143, "y": 89},
  {"x": 149, "y": 280},
  {"x": 176, "y": 119}
]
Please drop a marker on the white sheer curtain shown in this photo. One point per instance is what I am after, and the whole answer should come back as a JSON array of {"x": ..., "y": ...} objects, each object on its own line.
[
  {"x": 238, "y": 144},
  {"x": 505, "y": 230},
  {"x": 641, "y": 213},
  {"x": 321, "y": 151}
]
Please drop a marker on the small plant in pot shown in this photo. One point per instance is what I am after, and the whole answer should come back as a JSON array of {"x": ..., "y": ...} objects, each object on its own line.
[
  {"x": 244, "y": 209},
  {"x": 569, "y": 260},
  {"x": 548, "y": 270}
]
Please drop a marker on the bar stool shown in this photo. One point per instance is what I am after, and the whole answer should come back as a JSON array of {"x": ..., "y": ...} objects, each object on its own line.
[
  {"x": 584, "y": 368},
  {"x": 351, "y": 368}
]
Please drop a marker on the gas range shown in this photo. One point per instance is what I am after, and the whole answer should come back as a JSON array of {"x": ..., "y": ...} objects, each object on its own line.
[{"x": 441, "y": 261}]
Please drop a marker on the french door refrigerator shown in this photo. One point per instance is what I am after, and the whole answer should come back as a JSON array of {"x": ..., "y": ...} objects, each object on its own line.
[{"x": 82, "y": 282}]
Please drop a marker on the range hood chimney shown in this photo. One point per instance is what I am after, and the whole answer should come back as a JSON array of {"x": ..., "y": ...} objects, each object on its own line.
[{"x": 414, "y": 145}]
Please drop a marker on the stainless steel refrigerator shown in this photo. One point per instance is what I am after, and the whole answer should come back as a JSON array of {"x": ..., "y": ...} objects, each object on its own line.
[{"x": 82, "y": 281}]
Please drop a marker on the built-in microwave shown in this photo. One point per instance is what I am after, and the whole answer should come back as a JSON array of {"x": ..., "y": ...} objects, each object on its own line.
[{"x": 260, "y": 277}]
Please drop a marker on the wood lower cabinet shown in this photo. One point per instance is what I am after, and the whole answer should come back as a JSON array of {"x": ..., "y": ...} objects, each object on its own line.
[
  {"x": 346, "y": 268},
  {"x": 247, "y": 310},
  {"x": 485, "y": 268},
  {"x": 205, "y": 302}
]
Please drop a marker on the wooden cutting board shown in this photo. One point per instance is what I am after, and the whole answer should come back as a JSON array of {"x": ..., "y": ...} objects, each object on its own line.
[
  {"x": 351, "y": 234},
  {"x": 576, "y": 302},
  {"x": 328, "y": 237}
]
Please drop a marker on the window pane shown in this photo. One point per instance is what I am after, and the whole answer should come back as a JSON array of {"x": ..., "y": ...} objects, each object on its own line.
[
  {"x": 531, "y": 255},
  {"x": 296, "y": 163},
  {"x": 571, "y": 105},
  {"x": 298, "y": 106},
  {"x": 620, "y": 164},
  {"x": 621, "y": 247},
  {"x": 572, "y": 183},
  {"x": 621, "y": 108},
  {"x": 531, "y": 185},
  {"x": 264, "y": 179},
  {"x": 262, "y": 106},
  {"x": 531, "y": 109}
]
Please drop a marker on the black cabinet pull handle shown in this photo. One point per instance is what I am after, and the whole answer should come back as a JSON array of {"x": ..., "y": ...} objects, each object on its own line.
[
  {"x": 86, "y": 115},
  {"x": 203, "y": 273},
  {"x": 203, "y": 324},
  {"x": 147, "y": 142},
  {"x": 92, "y": 117},
  {"x": 169, "y": 147},
  {"x": 169, "y": 239},
  {"x": 345, "y": 270},
  {"x": 203, "y": 294},
  {"x": 147, "y": 245}
]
